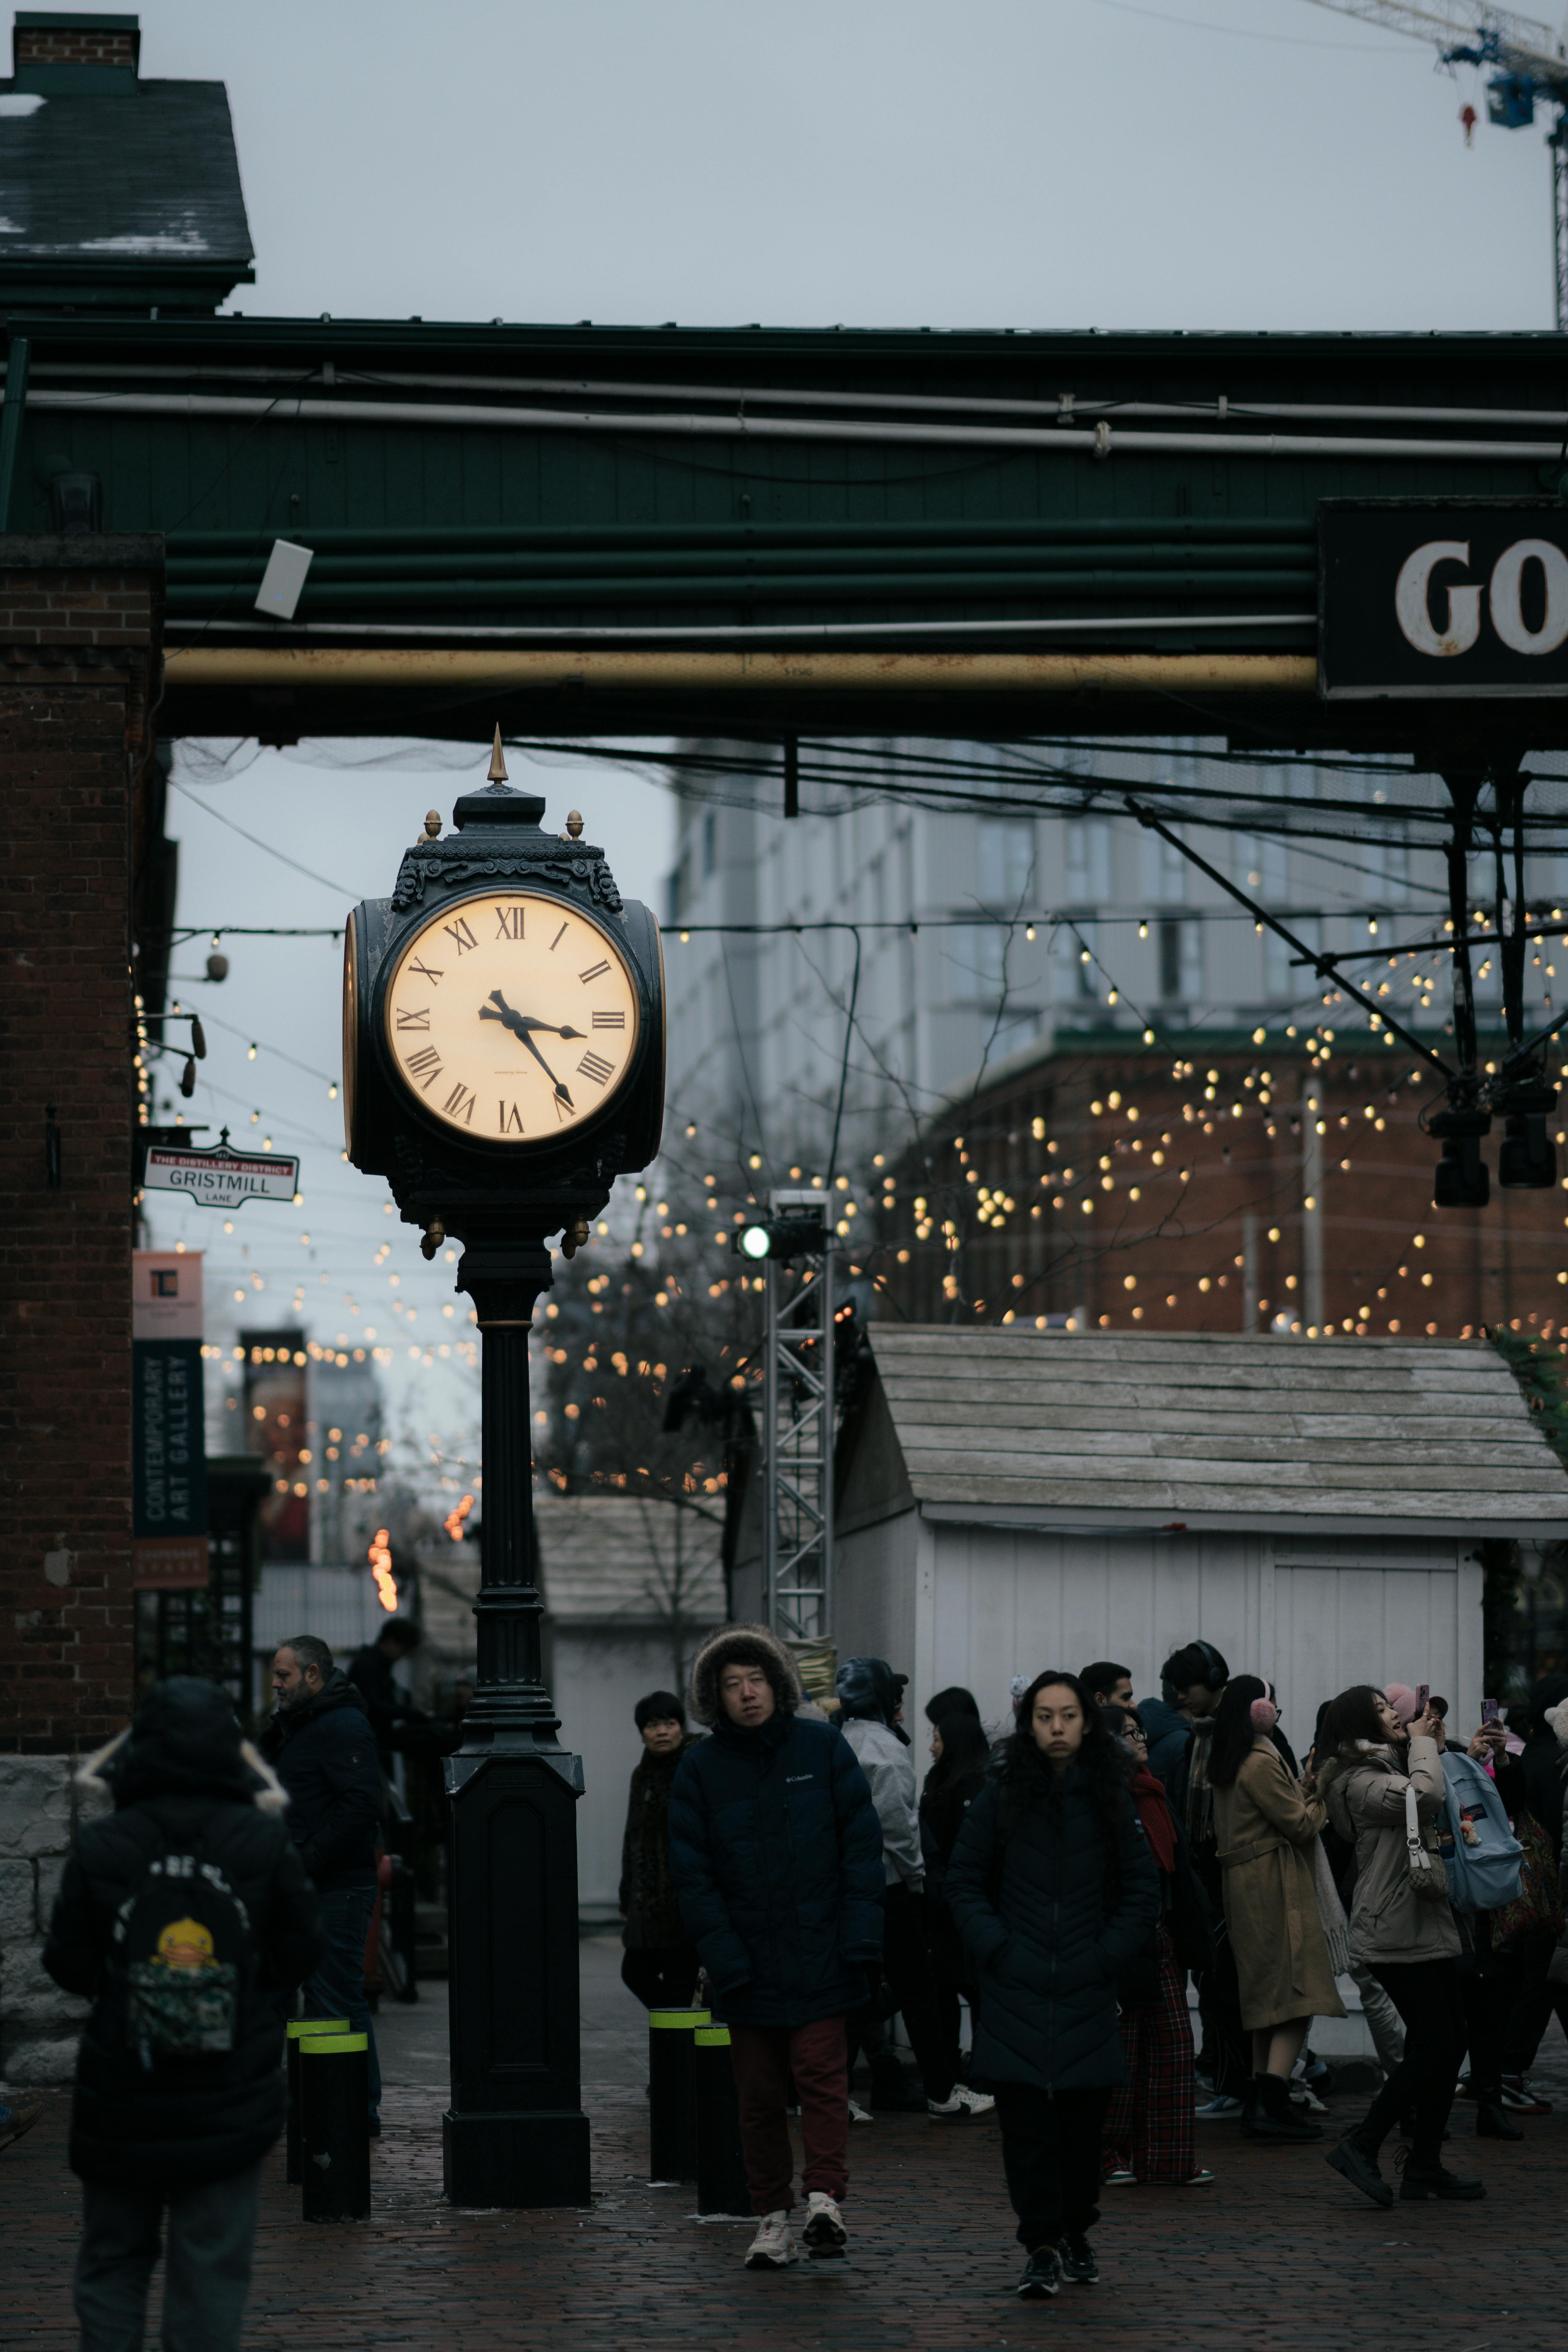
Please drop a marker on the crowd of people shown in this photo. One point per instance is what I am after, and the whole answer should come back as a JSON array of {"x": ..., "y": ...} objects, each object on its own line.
[{"x": 1062, "y": 1877}]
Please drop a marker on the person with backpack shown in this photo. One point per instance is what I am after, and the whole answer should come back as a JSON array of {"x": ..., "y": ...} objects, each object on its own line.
[
  {"x": 187, "y": 1918},
  {"x": 1053, "y": 1891},
  {"x": 1483, "y": 1859},
  {"x": 1382, "y": 1781}
]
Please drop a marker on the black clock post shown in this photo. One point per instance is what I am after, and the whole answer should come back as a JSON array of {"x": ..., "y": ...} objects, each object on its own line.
[{"x": 514, "y": 2134}]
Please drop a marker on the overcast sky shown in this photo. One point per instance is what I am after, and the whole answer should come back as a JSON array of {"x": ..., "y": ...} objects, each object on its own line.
[
  {"x": 1003, "y": 163},
  {"x": 1237, "y": 164}
]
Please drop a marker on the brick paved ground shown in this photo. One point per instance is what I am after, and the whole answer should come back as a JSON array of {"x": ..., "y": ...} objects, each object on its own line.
[{"x": 1277, "y": 2253}]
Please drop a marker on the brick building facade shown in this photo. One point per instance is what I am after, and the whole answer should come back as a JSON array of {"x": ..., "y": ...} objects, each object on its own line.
[
  {"x": 79, "y": 652},
  {"x": 1242, "y": 1187}
]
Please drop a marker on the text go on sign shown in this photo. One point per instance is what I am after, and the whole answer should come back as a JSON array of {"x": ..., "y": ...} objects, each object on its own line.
[{"x": 1442, "y": 598}]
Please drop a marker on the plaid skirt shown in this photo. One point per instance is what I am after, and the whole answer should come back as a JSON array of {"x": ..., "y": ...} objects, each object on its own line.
[{"x": 1150, "y": 2125}]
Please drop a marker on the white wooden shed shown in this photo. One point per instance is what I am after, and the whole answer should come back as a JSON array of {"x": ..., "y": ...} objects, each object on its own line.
[{"x": 1009, "y": 1500}]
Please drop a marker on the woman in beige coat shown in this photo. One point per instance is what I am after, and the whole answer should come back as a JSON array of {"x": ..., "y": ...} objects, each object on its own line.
[{"x": 1265, "y": 1827}]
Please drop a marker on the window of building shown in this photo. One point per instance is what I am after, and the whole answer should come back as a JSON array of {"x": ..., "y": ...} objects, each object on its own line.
[
  {"x": 1006, "y": 860},
  {"x": 978, "y": 953},
  {"x": 1077, "y": 980},
  {"x": 1164, "y": 872},
  {"x": 1180, "y": 960},
  {"x": 1088, "y": 860}
]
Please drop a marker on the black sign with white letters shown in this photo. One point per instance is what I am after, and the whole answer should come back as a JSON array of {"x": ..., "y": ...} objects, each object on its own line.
[{"x": 1424, "y": 599}]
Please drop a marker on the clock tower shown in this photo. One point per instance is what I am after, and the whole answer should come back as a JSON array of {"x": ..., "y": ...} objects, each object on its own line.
[{"x": 503, "y": 1062}]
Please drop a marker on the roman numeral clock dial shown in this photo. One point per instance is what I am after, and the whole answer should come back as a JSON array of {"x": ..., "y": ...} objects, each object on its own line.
[{"x": 512, "y": 1018}]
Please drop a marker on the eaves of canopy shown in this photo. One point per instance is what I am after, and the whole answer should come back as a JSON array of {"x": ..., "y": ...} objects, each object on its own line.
[{"x": 765, "y": 532}]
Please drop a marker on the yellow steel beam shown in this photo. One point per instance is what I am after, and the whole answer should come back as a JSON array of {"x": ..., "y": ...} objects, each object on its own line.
[{"x": 609, "y": 668}]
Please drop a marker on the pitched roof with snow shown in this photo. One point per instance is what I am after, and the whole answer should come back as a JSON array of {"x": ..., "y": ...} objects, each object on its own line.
[
  {"x": 1203, "y": 1428},
  {"x": 107, "y": 199}
]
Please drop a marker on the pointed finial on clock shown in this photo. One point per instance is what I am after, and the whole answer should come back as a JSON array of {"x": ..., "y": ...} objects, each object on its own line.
[
  {"x": 497, "y": 761},
  {"x": 575, "y": 825}
]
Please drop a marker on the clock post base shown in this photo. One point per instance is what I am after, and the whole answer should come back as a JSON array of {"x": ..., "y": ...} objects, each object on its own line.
[{"x": 521, "y": 2159}]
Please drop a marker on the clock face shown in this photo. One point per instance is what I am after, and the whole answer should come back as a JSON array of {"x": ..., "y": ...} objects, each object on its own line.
[{"x": 511, "y": 1017}]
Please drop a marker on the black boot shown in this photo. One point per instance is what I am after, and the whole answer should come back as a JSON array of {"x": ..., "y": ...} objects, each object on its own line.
[
  {"x": 1268, "y": 2114},
  {"x": 1358, "y": 2165},
  {"x": 1492, "y": 2119},
  {"x": 1427, "y": 2177}
]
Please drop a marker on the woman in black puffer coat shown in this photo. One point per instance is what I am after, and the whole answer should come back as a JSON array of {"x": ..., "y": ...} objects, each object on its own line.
[{"x": 1054, "y": 1892}]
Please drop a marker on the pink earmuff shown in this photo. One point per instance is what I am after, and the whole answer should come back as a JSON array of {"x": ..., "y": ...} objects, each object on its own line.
[{"x": 1264, "y": 1715}]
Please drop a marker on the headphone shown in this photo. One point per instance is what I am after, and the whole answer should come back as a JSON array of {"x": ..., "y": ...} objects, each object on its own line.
[{"x": 1218, "y": 1673}]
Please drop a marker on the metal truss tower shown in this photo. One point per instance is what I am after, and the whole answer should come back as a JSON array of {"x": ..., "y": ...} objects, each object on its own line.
[{"x": 799, "y": 1426}]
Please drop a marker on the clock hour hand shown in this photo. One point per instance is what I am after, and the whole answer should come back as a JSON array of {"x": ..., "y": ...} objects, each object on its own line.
[
  {"x": 519, "y": 1025},
  {"x": 520, "y": 1021}
]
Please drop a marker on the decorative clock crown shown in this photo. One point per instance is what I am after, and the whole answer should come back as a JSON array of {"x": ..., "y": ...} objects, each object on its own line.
[{"x": 499, "y": 837}]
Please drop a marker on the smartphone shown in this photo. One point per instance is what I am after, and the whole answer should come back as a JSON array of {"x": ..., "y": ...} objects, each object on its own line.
[
  {"x": 1490, "y": 1711},
  {"x": 1423, "y": 1692}
]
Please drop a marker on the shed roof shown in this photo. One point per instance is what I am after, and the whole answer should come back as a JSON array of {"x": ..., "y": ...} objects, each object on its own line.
[
  {"x": 625, "y": 1559},
  {"x": 108, "y": 198},
  {"x": 1204, "y": 1429}
]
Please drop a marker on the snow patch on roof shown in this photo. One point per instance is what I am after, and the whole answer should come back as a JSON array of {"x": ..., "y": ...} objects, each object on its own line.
[{"x": 187, "y": 242}]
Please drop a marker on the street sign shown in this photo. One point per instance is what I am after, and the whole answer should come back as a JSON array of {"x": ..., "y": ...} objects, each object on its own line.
[
  {"x": 220, "y": 1179},
  {"x": 1427, "y": 599},
  {"x": 169, "y": 1529}
]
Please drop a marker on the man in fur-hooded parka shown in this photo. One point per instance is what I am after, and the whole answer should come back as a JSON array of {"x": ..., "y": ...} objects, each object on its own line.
[{"x": 775, "y": 1848}]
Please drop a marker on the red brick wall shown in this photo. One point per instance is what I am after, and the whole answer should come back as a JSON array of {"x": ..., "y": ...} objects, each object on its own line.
[
  {"x": 34, "y": 45},
  {"x": 79, "y": 622},
  {"x": 1200, "y": 1155}
]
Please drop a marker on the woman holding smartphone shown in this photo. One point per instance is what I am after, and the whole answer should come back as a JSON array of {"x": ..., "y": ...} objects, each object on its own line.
[{"x": 1370, "y": 1760}]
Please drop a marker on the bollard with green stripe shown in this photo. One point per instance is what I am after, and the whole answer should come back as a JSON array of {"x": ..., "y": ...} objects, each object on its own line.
[
  {"x": 672, "y": 2125},
  {"x": 721, "y": 2186},
  {"x": 334, "y": 2135},
  {"x": 301, "y": 2028}
]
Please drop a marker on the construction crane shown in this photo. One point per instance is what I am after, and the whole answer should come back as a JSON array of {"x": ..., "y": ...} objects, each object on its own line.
[{"x": 1529, "y": 69}]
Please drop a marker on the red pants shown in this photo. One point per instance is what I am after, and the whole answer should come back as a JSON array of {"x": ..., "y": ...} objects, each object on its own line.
[
  {"x": 763, "y": 2057},
  {"x": 1150, "y": 2124}
]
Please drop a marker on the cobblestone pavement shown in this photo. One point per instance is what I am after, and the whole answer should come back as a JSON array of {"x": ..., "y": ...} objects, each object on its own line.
[{"x": 1276, "y": 2254}]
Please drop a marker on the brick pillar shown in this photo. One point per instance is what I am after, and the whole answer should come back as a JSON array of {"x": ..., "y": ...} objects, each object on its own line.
[{"x": 80, "y": 622}]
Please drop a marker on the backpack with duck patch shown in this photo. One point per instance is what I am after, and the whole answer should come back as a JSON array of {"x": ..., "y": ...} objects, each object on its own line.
[{"x": 185, "y": 1959}]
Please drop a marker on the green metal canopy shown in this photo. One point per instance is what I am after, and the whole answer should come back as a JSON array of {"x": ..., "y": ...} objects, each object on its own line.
[{"x": 614, "y": 528}]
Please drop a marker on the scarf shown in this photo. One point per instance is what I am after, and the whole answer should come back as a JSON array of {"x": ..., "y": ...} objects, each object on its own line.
[
  {"x": 1199, "y": 1795},
  {"x": 1149, "y": 1801}
]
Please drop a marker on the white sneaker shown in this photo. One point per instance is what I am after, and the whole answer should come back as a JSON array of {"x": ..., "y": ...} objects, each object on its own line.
[
  {"x": 773, "y": 2248},
  {"x": 860, "y": 2114},
  {"x": 964, "y": 2104},
  {"x": 823, "y": 2233}
]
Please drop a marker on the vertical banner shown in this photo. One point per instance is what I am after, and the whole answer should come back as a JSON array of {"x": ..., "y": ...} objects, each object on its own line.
[
  {"x": 276, "y": 1404},
  {"x": 169, "y": 1527}
]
